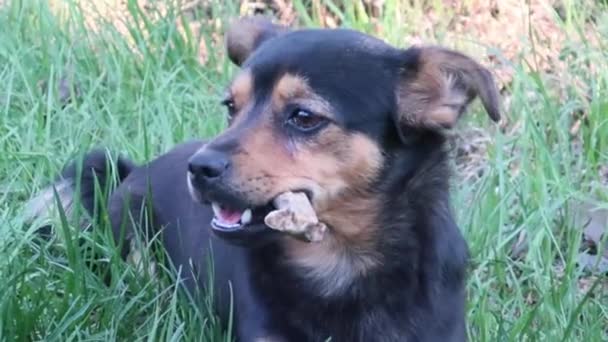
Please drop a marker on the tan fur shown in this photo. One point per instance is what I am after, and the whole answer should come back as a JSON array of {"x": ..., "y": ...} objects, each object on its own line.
[
  {"x": 267, "y": 164},
  {"x": 337, "y": 260},
  {"x": 340, "y": 199},
  {"x": 290, "y": 86},
  {"x": 350, "y": 250},
  {"x": 293, "y": 88},
  {"x": 445, "y": 83},
  {"x": 244, "y": 36},
  {"x": 241, "y": 91},
  {"x": 240, "y": 40},
  {"x": 336, "y": 166}
]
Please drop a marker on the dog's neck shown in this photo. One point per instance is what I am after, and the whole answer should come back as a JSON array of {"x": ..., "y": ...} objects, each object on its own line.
[{"x": 368, "y": 227}]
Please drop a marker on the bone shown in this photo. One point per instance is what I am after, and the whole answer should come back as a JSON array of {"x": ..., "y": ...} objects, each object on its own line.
[{"x": 295, "y": 216}]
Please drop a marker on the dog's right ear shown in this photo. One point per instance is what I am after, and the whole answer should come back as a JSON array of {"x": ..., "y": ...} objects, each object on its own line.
[
  {"x": 436, "y": 85},
  {"x": 247, "y": 34}
]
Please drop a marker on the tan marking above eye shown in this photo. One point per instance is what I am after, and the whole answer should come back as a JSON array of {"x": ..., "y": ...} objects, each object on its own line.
[
  {"x": 292, "y": 88},
  {"x": 241, "y": 89},
  {"x": 338, "y": 167}
]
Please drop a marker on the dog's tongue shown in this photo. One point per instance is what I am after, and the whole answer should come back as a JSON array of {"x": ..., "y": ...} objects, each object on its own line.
[{"x": 229, "y": 216}]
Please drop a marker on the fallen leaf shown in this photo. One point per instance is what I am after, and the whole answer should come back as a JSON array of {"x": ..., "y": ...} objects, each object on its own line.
[
  {"x": 603, "y": 173},
  {"x": 66, "y": 90},
  {"x": 597, "y": 264},
  {"x": 594, "y": 222},
  {"x": 520, "y": 247}
]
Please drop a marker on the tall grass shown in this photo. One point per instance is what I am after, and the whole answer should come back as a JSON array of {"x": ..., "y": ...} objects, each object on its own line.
[{"x": 138, "y": 87}]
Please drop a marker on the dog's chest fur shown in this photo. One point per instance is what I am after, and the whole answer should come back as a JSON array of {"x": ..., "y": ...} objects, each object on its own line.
[
  {"x": 364, "y": 311},
  {"x": 416, "y": 294},
  {"x": 387, "y": 305}
]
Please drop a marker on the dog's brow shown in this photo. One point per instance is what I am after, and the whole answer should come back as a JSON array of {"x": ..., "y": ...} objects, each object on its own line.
[
  {"x": 226, "y": 94},
  {"x": 292, "y": 87},
  {"x": 241, "y": 88}
]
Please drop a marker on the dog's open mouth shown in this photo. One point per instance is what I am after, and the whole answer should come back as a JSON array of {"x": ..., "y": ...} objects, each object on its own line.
[
  {"x": 234, "y": 217},
  {"x": 230, "y": 219}
]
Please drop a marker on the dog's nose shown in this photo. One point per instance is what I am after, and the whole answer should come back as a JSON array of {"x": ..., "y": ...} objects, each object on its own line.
[{"x": 208, "y": 164}]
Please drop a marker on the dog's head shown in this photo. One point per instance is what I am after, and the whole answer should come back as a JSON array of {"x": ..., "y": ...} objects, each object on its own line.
[{"x": 319, "y": 111}]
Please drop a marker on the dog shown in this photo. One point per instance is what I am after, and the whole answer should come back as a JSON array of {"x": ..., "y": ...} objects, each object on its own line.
[{"x": 357, "y": 125}]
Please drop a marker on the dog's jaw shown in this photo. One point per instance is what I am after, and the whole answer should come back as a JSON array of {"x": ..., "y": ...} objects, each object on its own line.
[{"x": 329, "y": 266}]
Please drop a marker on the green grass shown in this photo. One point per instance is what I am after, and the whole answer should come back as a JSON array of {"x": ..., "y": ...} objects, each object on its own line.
[{"x": 143, "y": 90}]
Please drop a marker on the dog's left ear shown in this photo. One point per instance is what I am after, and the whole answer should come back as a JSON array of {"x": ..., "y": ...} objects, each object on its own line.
[
  {"x": 247, "y": 34},
  {"x": 436, "y": 85}
]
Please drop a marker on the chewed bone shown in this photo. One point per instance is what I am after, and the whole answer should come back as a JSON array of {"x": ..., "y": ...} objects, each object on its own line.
[{"x": 295, "y": 215}]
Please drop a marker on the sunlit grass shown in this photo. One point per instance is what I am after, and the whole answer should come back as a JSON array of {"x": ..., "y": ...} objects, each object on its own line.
[{"x": 140, "y": 88}]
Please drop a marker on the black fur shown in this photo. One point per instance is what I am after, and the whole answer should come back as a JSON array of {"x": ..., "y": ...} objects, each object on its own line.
[
  {"x": 416, "y": 294},
  {"x": 95, "y": 169}
]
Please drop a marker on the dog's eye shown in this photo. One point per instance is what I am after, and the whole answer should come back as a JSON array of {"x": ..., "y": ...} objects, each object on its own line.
[
  {"x": 229, "y": 104},
  {"x": 305, "y": 121}
]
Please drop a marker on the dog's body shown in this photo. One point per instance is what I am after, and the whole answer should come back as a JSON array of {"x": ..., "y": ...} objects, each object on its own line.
[{"x": 356, "y": 125}]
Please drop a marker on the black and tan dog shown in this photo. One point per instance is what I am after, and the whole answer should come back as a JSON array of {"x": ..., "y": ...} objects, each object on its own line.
[{"x": 359, "y": 127}]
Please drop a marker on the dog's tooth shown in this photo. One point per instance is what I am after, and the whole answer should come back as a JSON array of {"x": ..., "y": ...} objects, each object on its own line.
[
  {"x": 246, "y": 216},
  {"x": 216, "y": 209}
]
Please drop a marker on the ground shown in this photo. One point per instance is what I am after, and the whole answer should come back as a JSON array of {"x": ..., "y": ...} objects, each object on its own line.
[{"x": 141, "y": 76}]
